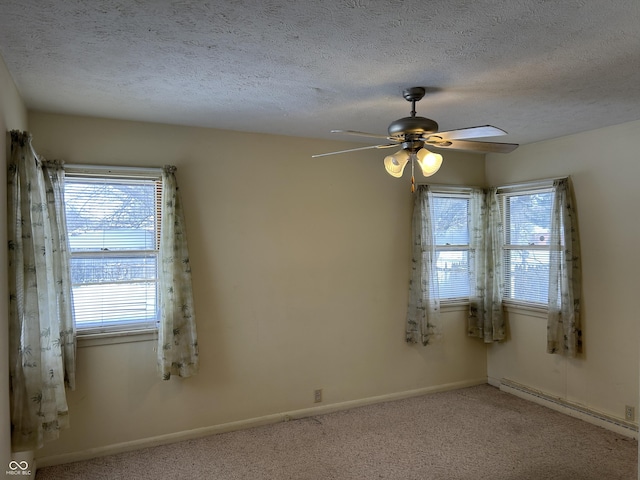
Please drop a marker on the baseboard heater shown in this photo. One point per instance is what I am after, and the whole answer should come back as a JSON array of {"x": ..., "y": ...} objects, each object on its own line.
[{"x": 628, "y": 429}]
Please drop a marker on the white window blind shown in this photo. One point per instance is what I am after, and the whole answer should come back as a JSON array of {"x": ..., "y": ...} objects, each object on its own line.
[
  {"x": 113, "y": 229},
  {"x": 527, "y": 225},
  {"x": 451, "y": 231}
]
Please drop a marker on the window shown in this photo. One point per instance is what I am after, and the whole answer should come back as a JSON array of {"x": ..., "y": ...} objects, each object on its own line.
[
  {"x": 451, "y": 232},
  {"x": 114, "y": 231},
  {"x": 527, "y": 225}
]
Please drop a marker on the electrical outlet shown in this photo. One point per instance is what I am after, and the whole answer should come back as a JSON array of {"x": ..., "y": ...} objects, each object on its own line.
[
  {"x": 629, "y": 413},
  {"x": 317, "y": 395}
]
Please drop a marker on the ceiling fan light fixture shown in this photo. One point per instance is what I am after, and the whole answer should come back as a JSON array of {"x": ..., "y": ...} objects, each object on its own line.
[
  {"x": 429, "y": 162},
  {"x": 414, "y": 132},
  {"x": 394, "y": 164}
]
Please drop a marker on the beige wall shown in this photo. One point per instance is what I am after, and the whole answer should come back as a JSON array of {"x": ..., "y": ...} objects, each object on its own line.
[
  {"x": 300, "y": 270},
  {"x": 13, "y": 115},
  {"x": 605, "y": 169}
]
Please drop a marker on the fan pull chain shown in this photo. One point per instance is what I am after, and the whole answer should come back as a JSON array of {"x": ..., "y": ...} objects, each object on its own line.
[{"x": 413, "y": 178}]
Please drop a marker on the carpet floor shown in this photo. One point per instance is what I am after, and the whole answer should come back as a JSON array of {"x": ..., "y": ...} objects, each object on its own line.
[{"x": 468, "y": 434}]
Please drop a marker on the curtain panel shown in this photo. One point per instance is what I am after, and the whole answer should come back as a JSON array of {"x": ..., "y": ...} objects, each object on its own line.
[
  {"x": 564, "y": 331},
  {"x": 177, "y": 338},
  {"x": 423, "y": 313},
  {"x": 486, "y": 318},
  {"x": 41, "y": 329}
]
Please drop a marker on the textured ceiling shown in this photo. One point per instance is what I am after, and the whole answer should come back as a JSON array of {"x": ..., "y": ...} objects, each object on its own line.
[{"x": 536, "y": 68}]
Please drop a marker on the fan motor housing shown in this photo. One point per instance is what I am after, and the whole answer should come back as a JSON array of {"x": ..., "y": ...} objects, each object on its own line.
[{"x": 412, "y": 126}]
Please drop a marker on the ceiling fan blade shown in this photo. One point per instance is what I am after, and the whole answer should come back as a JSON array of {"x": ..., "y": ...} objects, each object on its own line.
[
  {"x": 361, "y": 134},
  {"x": 485, "y": 147},
  {"x": 470, "y": 132},
  {"x": 354, "y": 150}
]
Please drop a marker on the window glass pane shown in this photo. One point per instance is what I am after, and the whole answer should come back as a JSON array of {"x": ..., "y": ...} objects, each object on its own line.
[
  {"x": 115, "y": 304},
  {"x": 450, "y": 223},
  {"x": 527, "y": 275},
  {"x": 110, "y": 214},
  {"x": 529, "y": 218},
  {"x": 453, "y": 273}
]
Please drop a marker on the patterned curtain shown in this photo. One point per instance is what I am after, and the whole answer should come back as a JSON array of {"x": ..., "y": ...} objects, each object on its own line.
[
  {"x": 423, "y": 313},
  {"x": 486, "y": 319},
  {"x": 41, "y": 329},
  {"x": 564, "y": 333},
  {"x": 177, "y": 339}
]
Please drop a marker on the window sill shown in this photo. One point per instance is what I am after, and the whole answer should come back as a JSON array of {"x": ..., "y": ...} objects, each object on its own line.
[
  {"x": 111, "y": 338},
  {"x": 530, "y": 309},
  {"x": 454, "y": 305}
]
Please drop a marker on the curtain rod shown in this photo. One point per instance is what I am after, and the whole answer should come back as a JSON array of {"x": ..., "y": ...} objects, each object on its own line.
[
  {"x": 528, "y": 183},
  {"x": 445, "y": 186},
  {"x": 113, "y": 169},
  {"x": 531, "y": 183}
]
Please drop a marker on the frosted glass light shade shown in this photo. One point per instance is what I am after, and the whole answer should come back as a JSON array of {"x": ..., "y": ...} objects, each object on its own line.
[
  {"x": 429, "y": 162},
  {"x": 394, "y": 164}
]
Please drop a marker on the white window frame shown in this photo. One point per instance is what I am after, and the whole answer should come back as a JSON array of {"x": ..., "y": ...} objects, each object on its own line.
[
  {"x": 504, "y": 192},
  {"x": 444, "y": 191},
  {"x": 135, "y": 331}
]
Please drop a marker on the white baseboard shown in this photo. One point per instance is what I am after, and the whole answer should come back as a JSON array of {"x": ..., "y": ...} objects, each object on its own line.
[
  {"x": 248, "y": 423},
  {"x": 623, "y": 427}
]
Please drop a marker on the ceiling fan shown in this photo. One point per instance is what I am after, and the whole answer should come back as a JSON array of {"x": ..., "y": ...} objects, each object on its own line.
[{"x": 414, "y": 134}]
